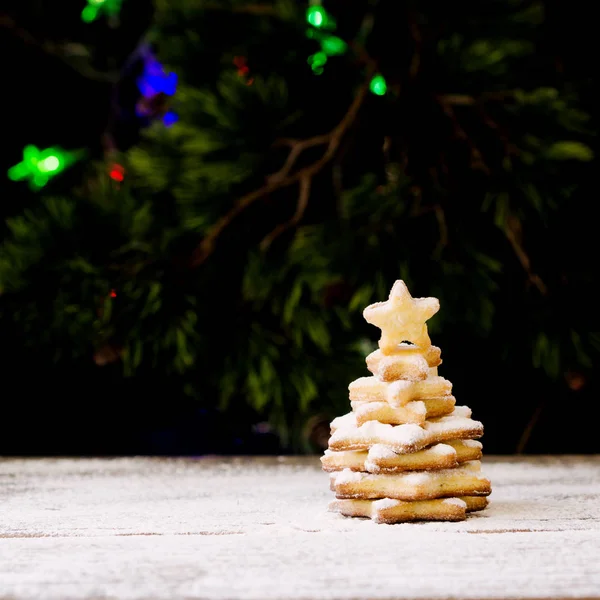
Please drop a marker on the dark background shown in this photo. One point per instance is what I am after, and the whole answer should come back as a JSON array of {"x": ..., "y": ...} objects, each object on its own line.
[{"x": 79, "y": 408}]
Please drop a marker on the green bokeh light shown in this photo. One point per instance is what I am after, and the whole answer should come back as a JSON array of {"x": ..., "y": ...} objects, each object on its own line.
[
  {"x": 317, "y": 61},
  {"x": 319, "y": 58},
  {"x": 40, "y": 165},
  {"x": 316, "y": 16},
  {"x": 378, "y": 85},
  {"x": 89, "y": 13},
  {"x": 52, "y": 163},
  {"x": 95, "y": 7},
  {"x": 333, "y": 45}
]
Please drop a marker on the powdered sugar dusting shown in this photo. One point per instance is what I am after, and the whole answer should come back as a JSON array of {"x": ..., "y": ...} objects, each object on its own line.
[
  {"x": 443, "y": 449},
  {"x": 374, "y": 428},
  {"x": 455, "y": 502},
  {"x": 417, "y": 478},
  {"x": 398, "y": 387},
  {"x": 461, "y": 411},
  {"x": 408, "y": 433},
  {"x": 472, "y": 444},
  {"x": 446, "y": 424},
  {"x": 381, "y": 451},
  {"x": 347, "y": 476},
  {"x": 385, "y": 503},
  {"x": 360, "y": 381},
  {"x": 344, "y": 422},
  {"x": 418, "y": 407}
]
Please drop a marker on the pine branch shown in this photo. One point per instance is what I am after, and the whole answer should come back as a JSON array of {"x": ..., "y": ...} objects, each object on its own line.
[{"x": 283, "y": 178}]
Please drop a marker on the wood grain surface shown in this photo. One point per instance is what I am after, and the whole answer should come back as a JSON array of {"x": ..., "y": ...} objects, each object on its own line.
[{"x": 258, "y": 529}]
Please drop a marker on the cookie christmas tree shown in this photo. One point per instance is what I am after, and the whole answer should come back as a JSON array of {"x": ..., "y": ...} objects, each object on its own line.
[{"x": 406, "y": 452}]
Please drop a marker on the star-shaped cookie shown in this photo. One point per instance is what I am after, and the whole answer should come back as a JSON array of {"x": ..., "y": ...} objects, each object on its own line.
[{"x": 402, "y": 318}]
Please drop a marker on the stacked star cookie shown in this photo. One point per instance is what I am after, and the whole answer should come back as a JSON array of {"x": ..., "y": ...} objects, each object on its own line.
[{"x": 405, "y": 452}]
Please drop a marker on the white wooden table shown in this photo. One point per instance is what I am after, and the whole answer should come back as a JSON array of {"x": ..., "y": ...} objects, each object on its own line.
[{"x": 258, "y": 529}]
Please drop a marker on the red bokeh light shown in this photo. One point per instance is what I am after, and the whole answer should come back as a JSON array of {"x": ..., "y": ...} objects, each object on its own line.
[
  {"x": 117, "y": 173},
  {"x": 242, "y": 67}
]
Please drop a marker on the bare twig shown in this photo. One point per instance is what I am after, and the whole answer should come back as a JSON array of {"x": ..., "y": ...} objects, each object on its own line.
[
  {"x": 477, "y": 161},
  {"x": 467, "y": 100},
  {"x": 457, "y": 99},
  {"x": 509, "y": 148},
  {"x": 297, "y": 216},
  {"x": 526, "y": 435},
  {"x": 449, "y": 100},
  {"x": 283, "y": 178},
  {"x": 251, "y": 9},
  {"x": 512, "y": 228},
  {"x": 513, "y": 234},
  {"x": 337, "y": 180},
  {"x": 256, "y": 9},
  {"x": 65, "y": 52},
  {"x": 415, "y": 61},
  {"x": 297, "y": 147},
  {"x": 443, "y": 227}
]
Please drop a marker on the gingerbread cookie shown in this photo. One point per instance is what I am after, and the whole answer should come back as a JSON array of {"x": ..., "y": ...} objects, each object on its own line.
[
  {"x": 413, "y": 412},
  {"x": 380, "y": 459},
  {"x": 398, "y": 393},
  {"x": 464, "y": 480},
  {"x": 402, "y": 318},
  {"x": 388, "y": 510},
  {"x": 347, "y": 435},
  {"x": 407, "y": 362}
]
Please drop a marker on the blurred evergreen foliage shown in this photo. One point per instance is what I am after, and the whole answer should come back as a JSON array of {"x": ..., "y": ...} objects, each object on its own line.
[{"x": 241, "y": 273}]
